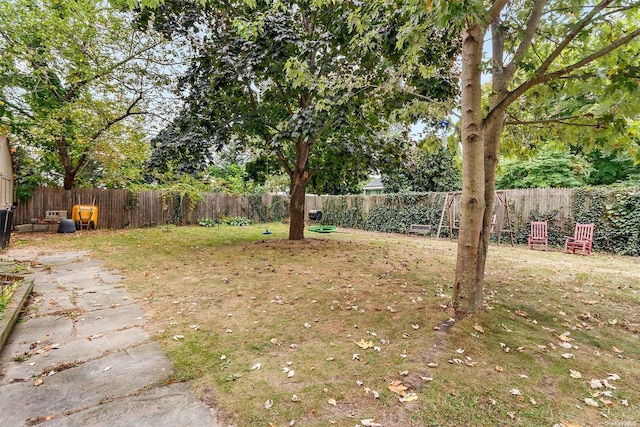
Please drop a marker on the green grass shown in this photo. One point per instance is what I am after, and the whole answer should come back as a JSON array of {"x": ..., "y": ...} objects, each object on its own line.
[
  {"x": 6, "y": 291},
  {"x": 303, "y": 306}
]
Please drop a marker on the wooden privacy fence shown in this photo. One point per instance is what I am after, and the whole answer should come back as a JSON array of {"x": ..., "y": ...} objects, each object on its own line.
[
  {"x": 124, "y": 209},
  {"x": 525, "y": 201}
]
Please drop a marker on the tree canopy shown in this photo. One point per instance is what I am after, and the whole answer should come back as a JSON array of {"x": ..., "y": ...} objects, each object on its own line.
[
  {"x": 297, "y": 79},
  {"x": 75, "y": 80},
  {"x": 425, "y": 170},
  {"x": 549, "y": 167}
]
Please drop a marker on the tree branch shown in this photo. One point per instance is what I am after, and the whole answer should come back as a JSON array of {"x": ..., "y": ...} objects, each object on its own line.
[
  {"x": 79, "y": 84},
  {"x": 84, "y": 157},
  {"x": 527, "y": 39},
  {"x": 622, "y": 9},
  {"x": 127, "y": 113},
  {"x": 283, "y": 161},
  {"x": 562, "y": 121},
  {"x": 252, "y": 98},
  {"x": 496, "y": 8},
  {"x": 580, "y": 25},
  {"x": 538, "y": 79},
  {"x": 284, "y": 96}
]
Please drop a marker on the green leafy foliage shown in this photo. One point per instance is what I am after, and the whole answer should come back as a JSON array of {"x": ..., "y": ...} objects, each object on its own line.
[
  {"x": 229, "y": 179},
  {"x": 595, "y": 109},
  {"x": 393, "y": 214},
  {"x": 346, "y": 211},
  {"x": 424, "y": 171},
  {"x": 266, "y": 76},
  {"x": 6, "y": 292},
  {"x": 614, "y": 212},
  {"x": 187, "y": 189},
  {"x": 75, "y": 81},
  {"x": 610, "y": 168},
  {"x": 548, "y": 168},
  {"x": 207, "y": 222},
  {"x": 275, "y": 210},
  {"x": 238, "y": 221},
  {"x": 623, "y": 231}
]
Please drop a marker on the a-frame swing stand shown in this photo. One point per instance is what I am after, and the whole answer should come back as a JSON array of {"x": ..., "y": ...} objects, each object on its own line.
[{"x": 501, "y": 222}]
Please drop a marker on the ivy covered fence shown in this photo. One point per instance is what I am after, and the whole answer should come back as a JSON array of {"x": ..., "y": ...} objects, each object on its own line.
[{"x": 615, "y": 211}]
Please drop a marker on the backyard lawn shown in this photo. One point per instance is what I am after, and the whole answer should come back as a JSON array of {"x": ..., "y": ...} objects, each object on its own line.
[{"x": 354, "y": 328}]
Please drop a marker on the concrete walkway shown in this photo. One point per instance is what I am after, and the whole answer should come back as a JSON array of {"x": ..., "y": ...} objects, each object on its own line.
[{"x": 83, "y": 358}]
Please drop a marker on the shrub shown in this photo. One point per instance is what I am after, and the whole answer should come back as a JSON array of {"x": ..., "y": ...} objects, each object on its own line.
[
  {"x": 207, "y": 222},
  {"x": 238, "y": 221}
]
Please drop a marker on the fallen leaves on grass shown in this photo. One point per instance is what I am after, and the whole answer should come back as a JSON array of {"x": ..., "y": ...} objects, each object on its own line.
[
  {"x": 591, "y": 402},
  {"x": 505, "y": 327},
  {"x": 364, "y": 344},
  {"x": 517, "y": 394},
  {"x": 565, "y": 337},
  {"x": 369, "y": 422},
  {"x": 613, "y": 377},
  {"x": 410, "y": 397},
  {"x": 398, "y": 388},
  {"x": 567, "y": 424}
]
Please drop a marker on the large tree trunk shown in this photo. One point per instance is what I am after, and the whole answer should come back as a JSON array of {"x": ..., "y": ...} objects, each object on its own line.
[
  {"x": 296, "y": 206},
  {"x": 491, "y": 132},
  {"x": 467, "y": 292},
  {"x": 299, "y": 179},
  {"x": 69, "y": 179},
  {"x": 70, "y": 172}
]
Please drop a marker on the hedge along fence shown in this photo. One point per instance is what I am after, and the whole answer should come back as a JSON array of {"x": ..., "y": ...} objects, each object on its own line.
[
  {"x": 614, "y": 211},
  {"x": 392, "y": 213}
]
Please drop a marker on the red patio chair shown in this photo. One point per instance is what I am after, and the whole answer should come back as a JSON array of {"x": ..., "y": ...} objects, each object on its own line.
[
  {"x": 582, "y": 240},
  {"x": 538, "y": 234}
]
